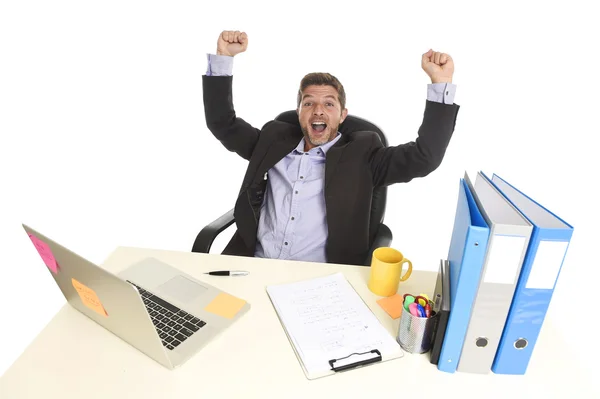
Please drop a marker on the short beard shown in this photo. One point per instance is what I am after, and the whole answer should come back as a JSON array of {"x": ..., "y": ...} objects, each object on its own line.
[{"x": 321, "y": 141}]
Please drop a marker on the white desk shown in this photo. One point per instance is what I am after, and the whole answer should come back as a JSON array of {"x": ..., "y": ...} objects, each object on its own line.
[{"x": 75, "y": 358}]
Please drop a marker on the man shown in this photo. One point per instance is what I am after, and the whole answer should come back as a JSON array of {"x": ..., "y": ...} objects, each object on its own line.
[{"x": 306, "y": 194}]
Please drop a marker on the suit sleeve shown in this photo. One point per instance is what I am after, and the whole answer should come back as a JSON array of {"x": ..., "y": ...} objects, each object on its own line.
[
  {"x": 402, "y": 163},
  {"x": 233, "y": 132}
]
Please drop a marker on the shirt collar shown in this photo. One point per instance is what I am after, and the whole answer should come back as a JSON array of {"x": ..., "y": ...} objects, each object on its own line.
[{"x": 324, "y": 148}]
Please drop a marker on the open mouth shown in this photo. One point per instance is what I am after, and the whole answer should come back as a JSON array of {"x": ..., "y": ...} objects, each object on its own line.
[{"x": 319, "y": 127}]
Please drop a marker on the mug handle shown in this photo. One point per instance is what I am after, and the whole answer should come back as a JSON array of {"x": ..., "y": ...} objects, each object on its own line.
[{"x": 408, "y": 271}]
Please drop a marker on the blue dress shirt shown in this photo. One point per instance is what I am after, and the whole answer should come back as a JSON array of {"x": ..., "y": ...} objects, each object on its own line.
[{"x": 293, "y": 222}]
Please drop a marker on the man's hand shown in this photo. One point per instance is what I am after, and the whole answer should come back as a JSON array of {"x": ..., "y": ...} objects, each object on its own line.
[
  {"x": 439, "y": 66},
  {"x": 232, "y": 42}
]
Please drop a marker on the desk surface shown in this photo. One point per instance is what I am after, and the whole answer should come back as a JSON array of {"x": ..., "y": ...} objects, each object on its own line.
[{"x": 73, "y": 357}]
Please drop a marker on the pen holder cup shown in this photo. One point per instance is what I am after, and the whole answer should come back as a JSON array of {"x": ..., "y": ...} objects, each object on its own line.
[{"x": 415, "y": 334}]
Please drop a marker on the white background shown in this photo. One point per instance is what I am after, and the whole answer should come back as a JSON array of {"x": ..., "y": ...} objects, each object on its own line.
[{"x": 104, "y": 142}]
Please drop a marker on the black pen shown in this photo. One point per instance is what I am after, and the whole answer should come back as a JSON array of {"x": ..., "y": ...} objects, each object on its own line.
[{"x": 228, "y": 273}]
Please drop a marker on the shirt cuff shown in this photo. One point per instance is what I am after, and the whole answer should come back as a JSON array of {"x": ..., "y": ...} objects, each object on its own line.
[
  {"x": 219, "y": 65},
  {"x": 441, "y": 92}
]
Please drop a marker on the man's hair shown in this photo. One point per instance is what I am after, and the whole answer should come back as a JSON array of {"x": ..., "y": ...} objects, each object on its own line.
[{"x": 320, "y": 79}]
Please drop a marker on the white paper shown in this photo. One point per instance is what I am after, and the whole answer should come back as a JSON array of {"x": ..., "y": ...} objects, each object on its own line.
[
  {"x": 546, "y": 264},
  {"x": 326, "y": 319},
  {"x": 504, "y": 260}
]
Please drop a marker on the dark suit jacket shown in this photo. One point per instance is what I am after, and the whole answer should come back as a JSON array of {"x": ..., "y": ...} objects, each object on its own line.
[{"x": 356, "y": 164}]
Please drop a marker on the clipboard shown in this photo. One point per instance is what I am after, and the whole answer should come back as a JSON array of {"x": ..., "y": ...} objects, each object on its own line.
[
  {"x": 388, "y": 349},
  {"x": 338, "y": 365}
]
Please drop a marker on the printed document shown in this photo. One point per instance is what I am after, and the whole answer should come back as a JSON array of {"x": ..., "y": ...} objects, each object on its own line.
[{"x": 326, "y": 319}]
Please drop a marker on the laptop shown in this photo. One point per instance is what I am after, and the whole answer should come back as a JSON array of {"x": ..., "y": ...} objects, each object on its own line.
[
  {"x": 164, "y": 313},
  {"x": 441, "y": 306}
]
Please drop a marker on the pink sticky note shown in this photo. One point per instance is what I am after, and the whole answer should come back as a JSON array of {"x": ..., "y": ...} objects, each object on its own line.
[{"x": 45, "y": 252}]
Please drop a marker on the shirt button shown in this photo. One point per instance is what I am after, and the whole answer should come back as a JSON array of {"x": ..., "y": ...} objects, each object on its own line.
[
  {"x": 285, "y": 243},
  {"x": 302, "y": 177},
  {"x": 296, "y": 191},
  {"x": 306, "y": 153},
  {"x": 293, "y": 218},
  {"x": 446, "y": 93}
]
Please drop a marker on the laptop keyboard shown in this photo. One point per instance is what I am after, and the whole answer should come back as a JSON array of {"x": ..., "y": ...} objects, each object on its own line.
[{"x": 174, "y": 325}]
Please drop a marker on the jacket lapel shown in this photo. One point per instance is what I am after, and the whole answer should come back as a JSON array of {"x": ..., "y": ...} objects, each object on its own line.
[
  {"x": 277, "y": 151},
  {"x": 280, "y": 148},
  {"x": 333, "y": 157}
]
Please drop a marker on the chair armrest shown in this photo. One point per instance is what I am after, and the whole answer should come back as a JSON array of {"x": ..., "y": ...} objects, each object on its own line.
[
  {"x": 207, "y": 235},
  {"x": 383, "y": 238}
]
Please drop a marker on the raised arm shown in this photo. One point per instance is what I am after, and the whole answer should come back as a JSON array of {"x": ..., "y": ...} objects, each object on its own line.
[
  {"x": 402, "y": 163},
  {"x": 234, "y": 133}
]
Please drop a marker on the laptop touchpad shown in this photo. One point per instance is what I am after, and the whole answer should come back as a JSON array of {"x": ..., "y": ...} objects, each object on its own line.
[{"x": 182, "y": 289}]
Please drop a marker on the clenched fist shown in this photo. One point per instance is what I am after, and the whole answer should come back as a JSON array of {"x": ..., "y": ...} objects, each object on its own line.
[
  {"x": 439, "y": 66},
  {"x": 232, "y": 42}
]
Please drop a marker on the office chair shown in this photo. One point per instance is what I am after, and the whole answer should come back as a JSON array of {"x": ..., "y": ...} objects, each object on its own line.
[{"x": 380, "y": 233}]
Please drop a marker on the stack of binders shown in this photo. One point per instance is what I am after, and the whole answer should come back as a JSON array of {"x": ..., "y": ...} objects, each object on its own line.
[{"x": 505, "y": 256}]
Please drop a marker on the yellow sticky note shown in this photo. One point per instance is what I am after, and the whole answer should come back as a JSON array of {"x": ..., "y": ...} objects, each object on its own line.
[
  {"x": 225, "y": 305},
  {"x": 89, "y": 297},
  {"x": 392, "y": 305}
]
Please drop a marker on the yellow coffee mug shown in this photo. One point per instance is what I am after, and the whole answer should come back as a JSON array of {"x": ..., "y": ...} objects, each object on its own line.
[{"x": 386, "y": 270}]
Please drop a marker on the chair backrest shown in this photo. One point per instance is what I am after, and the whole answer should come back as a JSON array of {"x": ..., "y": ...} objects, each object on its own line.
[{"x": 354, "y": 123}]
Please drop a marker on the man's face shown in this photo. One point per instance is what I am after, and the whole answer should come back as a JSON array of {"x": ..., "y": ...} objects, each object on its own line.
[{"x": 320, "y": 114}]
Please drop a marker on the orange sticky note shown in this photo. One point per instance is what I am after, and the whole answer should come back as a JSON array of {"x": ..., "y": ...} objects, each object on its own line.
[
  {"x": 392, "y": 305},
  {"x": 89, "y": 297},
  {"x": 225, "y": 305}
]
